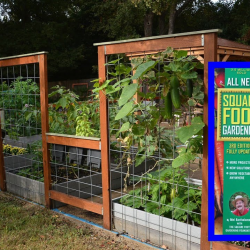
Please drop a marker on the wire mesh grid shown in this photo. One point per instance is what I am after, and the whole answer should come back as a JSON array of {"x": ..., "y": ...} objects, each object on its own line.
[
  {"x": 76, "y": 171},
  {"x": 151, "y": 200},
  {"x": 21, "y": 130}
]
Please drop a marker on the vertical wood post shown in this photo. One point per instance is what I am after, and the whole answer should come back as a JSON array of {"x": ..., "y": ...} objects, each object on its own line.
[
  {"x": 2, "y": 169},
  {"x": 104, "y": 142},
  {"x": 210, "y": 55},
  {"x": 45, "y": 125}
]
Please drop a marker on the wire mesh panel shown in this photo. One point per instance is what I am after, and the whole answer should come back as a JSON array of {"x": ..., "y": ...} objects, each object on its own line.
[
  {"x": 155, "y": 125},
  {"x": 76, "y": 171},
  {"x": 21, "y": 130}
]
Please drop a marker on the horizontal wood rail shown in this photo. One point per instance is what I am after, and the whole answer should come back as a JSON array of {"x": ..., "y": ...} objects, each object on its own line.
[
  {"x": 76, "y": 202},
  {"x": 74, "y": 141},
  {"x": 154, "y": 45},
  {"x": 22, "y": 59}
]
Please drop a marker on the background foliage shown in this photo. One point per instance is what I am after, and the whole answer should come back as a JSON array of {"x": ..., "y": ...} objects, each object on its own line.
[{"x": 68, "y": 29}]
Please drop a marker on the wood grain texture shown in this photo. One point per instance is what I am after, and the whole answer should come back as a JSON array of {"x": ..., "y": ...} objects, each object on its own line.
[
  {"x": 76, "y": 202},
  {"x": 74, "y": 142},
  {"x": 104, "y": 143},
  {"x": 45, "y": 126},
  {"x": 2, "y": 168},
  {"x": 155, "y": 45},
  {"x": 20, "y": 61},
  {"x": 210, "y": 55}
]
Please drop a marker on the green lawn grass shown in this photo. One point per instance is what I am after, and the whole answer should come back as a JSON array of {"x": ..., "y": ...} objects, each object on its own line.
[{"x": 24, "y": 225}]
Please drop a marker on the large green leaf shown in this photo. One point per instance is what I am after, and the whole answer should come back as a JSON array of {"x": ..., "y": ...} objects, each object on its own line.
[
  {"x": 125, "y": 127},
  {"x": 189, "y": 75},
  {"x": 174, "y": 66},
  {"x": 143, "y": 68},
  {"x": 63, "y": 102},
  {"x": 182, "y": 159},
  {"x": 139, "y": 130},
  {"x": 180, "y": 53},
  {"x": 124, "y": 110},
  {"x": 187, "y": 132},
  {"x": 127, "y": 93},
  {"x": 139, "y": 159},
  {"x": 103, "y": 86},
  {"x": 125, "y": 80},
  {"x": 122, "y": 69},
  {"x": 110, "y": 89},
  {"x": 199, "y": 96}
]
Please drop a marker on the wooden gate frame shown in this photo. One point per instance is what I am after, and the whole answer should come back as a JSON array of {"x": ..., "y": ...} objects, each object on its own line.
[
  {"x": 41, "y": 59},
  {"x": 47, "y": 138},
  {"x": 203, "y": 44}
]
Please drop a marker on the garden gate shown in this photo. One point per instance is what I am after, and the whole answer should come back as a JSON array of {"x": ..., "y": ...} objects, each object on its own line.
[
  {"x": 51, "y": 171},
  {"x": 149, "y": 226}
]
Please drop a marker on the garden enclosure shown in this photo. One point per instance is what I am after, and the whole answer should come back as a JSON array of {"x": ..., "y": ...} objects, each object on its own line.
[{"x": 137, "y": 188}]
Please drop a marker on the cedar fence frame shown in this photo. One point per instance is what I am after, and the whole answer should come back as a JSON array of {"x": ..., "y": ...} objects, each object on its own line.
[
  {"x": 75, "y": 141},
  {"x": 208, "y": 48},
  {"x": 204, "y": 44}
]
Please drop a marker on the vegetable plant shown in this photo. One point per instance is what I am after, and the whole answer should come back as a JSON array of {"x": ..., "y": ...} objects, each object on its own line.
[
  {"x": 88, "y": 119},
  {"x": 16, "y": 99},
  {"x": 62, "y": 113},
  {"x": 166, "y": 194},
  {"x": 166, "y": 84}
]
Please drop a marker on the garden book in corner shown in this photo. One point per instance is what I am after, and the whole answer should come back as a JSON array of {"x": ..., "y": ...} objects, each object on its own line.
[{"x": 229, "y": 151}]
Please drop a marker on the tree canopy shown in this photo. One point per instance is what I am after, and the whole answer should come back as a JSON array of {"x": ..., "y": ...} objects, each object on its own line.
[{"x": 67, "y": 29}]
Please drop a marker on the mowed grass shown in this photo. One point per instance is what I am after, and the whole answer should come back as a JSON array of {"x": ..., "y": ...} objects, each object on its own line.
[{"x": 26, "y": 226}]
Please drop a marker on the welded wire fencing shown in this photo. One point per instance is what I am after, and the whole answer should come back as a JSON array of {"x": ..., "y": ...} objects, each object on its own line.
[
  {"x": 156, "y": 198},
  {"x": 76, "y": 171},
  {"x": 21, "y": 130}
]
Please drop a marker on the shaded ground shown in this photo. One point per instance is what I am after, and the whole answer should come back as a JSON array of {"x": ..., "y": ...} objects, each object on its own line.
[{"x": 24, "y": 225}]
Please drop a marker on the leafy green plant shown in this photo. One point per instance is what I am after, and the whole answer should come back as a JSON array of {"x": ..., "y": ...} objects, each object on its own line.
[
  {"x": 62, "y": 113},
  {"x": 16, "y": 99},
  {"x": 165, "y": 73},
  {"x": 168, "y": 194},
  {"x": 32, "y": 173},
  {"x": 35, "y": 171},
  {"x": 88, "y": 119},
  {"x": 173, "y": 87}
]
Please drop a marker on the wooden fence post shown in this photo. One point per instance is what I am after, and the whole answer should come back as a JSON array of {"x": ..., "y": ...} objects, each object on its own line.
[
  {"x": 2, "y": 169},
  {"x": 210, "y": 55},
  {"x": 45, "y": 126},
  {"x": 104, "y": 121}
]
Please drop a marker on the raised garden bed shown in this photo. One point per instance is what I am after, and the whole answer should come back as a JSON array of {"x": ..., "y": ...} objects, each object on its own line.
[
  {"x": 87, "y": 186},
  {"x": 25, "y": 187},
  {"x": 22, "y": 141},
  {"x": 155, "y": 229},
  {"x": 17, "y": 161}
]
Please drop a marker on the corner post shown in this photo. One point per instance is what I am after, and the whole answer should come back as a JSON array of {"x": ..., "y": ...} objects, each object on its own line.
[
  {"x": 2, "y": 168},
  {"x": 104, "y": 121},
  {"x": 45, "y": 126},
  {"x": 210, "y": 55}
]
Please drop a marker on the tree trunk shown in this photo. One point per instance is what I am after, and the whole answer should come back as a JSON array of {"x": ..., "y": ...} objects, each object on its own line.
[
  {"x": 171, "y": 19},
  {"x": 162, "y": 23},
  {"x": 148, "y": 24}
]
